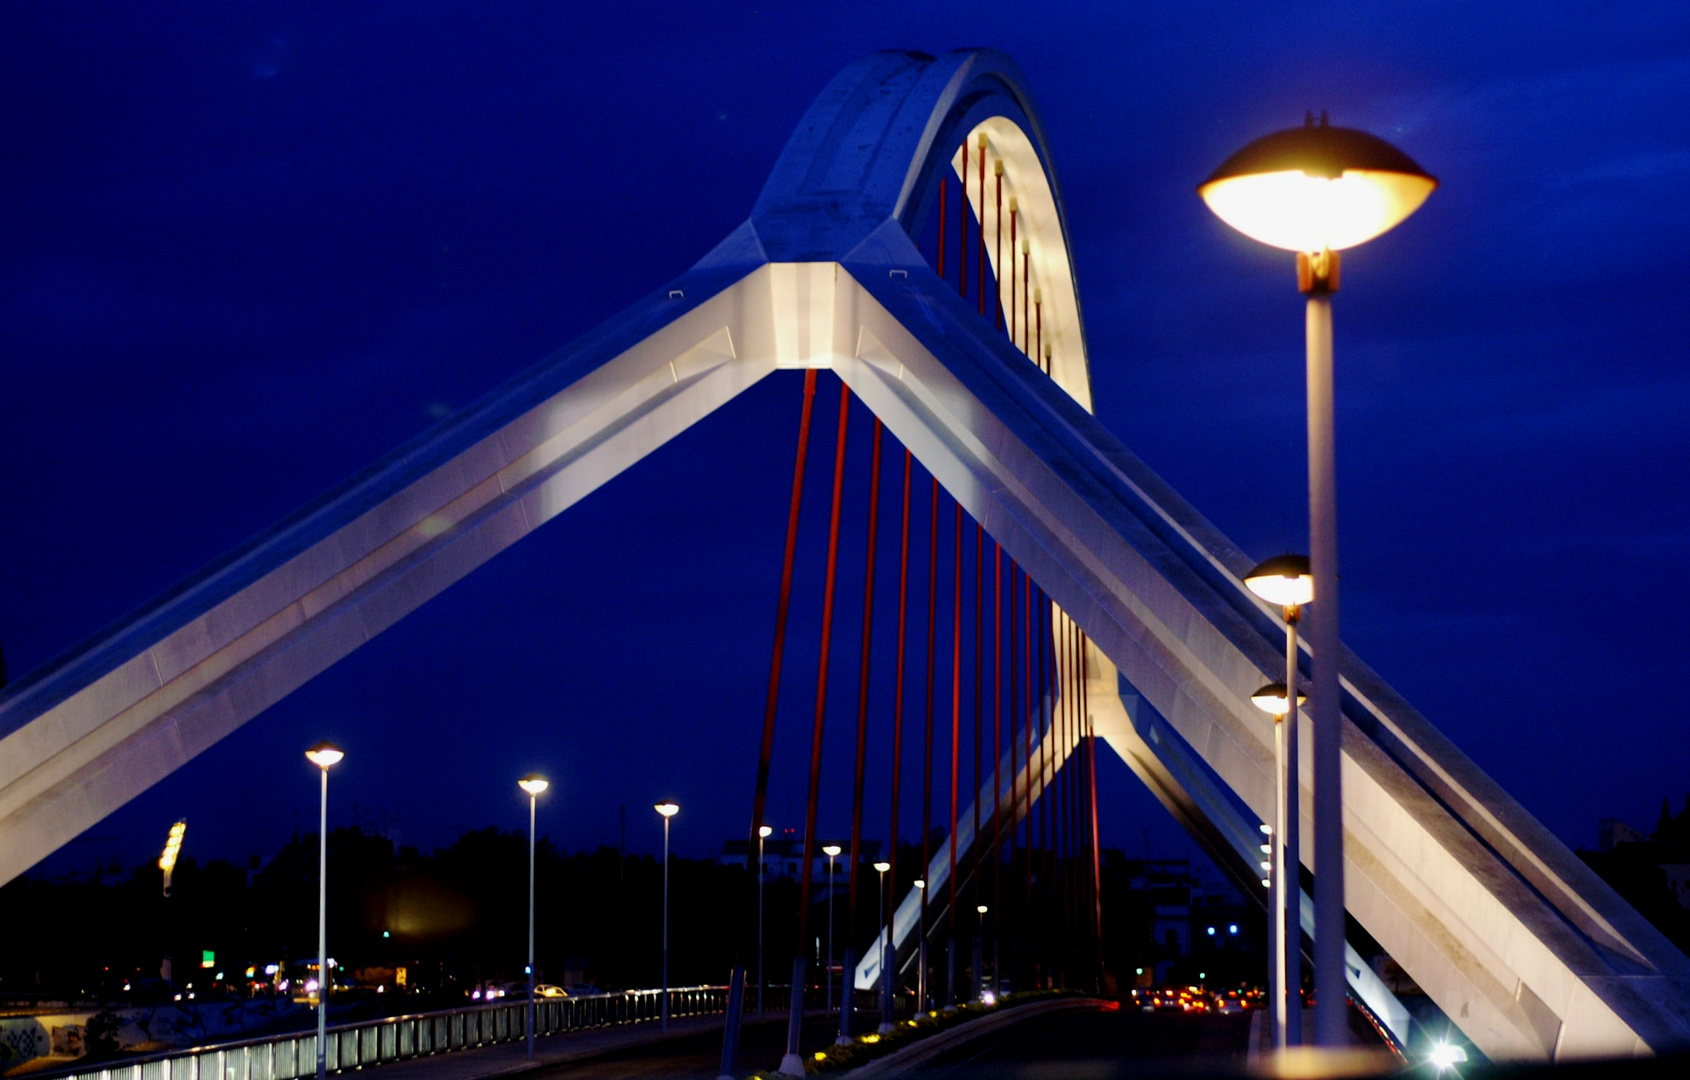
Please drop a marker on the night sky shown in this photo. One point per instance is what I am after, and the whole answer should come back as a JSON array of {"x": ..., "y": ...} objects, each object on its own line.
[{"x": 247, "y": 249}]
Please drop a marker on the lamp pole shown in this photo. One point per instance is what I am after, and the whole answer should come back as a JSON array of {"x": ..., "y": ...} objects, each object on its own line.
[
  {"x": 763, "y": 833},
  {"x": 1286, "y": 582},
  {"x": 667, "y": 810},
  {"x": 533, "y": 785},
  {"x": 324, "y": 756},
  {"x": 921, "y": 947},
  {"x": 832, "y": 852},
  {"x": 1317, "y": 190},
  {"x": 883, "y": 936}
]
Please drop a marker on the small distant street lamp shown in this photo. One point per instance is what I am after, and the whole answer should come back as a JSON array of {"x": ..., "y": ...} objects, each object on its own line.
[
  {"x": 921, "y": 946},
  {"x": 167, "y": 863},
  {"x": 1276, "y": 702},
  {"x": 533, "y": 784},
  {"x": 979, "y": 954},
  {"x": 1317, "y": 190},
  {"x": 885, "y": 958},
  {"x": 1285, "y": 581},
  {"x": 763, "y": 833},
  {"x": 325, "y": 756},
  {"x": 172, "y": 848},
  {"x": 667, "y": 810},
  {"x": 832, "y": 852}
]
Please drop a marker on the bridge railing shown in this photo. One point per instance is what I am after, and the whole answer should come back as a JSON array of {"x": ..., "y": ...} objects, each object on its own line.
[{"x": 293, "y": 1055}]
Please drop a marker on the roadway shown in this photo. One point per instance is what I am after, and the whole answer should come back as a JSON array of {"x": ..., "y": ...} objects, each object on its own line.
[
  {"x": 1102, "y": 1036},
  {"x": 699, "y": 1057},
  {"x": 1114, "y": 1036}
]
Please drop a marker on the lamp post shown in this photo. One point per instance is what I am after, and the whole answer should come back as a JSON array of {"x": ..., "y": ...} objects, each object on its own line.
[
  {"x": 1276, "y": 702},
  {"x": 1285, "y": 581},
  {"x": 832, "y": 852},
  {"x": 885, "y": 960},
  {"x": 979, "y": 954},
  {"x": 921, "y": 947},
  {"x": 763, "y": 833},
  {"x": 667, "y": 810},
  {"x": 325, "y": 756},
  {"x": 167, "y": 863},
  {"x": 1317, "y": 190},
  {"x": 533, "y": 784}
]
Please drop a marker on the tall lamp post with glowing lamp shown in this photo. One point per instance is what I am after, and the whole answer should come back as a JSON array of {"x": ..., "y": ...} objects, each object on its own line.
[
  {"x": 832, "y": 852},
  {"x": 1317, "y": 190},
  {"x": 763, "y": 833},
  {"x": 325, "y": 756},
  {"x": 167, "y": 863},
  {"x": 885, "y": 954},
  {"x": 1285, "y": 580},
  {"x": 533, "y": 784},
  {"x": 667, "y": 810},
  {"x": 1276, "y": 701}
]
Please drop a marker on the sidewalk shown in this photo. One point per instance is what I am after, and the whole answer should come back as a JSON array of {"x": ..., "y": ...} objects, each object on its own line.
[{"x": 510, "y": 1059}]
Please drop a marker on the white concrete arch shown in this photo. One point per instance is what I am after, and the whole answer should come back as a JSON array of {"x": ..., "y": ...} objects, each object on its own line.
[{"x": 1039, "y": 222}]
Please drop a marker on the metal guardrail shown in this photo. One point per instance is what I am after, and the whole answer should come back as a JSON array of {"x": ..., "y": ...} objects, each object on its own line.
[{"x": 399, "y": 1038}]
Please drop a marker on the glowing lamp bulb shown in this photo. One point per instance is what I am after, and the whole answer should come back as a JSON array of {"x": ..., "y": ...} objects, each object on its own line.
[
  {"x": 325, "y": 755},
  {"x": 533, "y": 784},
  {"x": 1284, "y": 580},
  {"x": 668, "y": 809},
  {"x": 1273, "y": 700},
  {"x": 832, "y": 851},
  {"x": 765, "y": 831},
  {"x": 883, "y": 866},
  {"x": 1316, "y": 188}
]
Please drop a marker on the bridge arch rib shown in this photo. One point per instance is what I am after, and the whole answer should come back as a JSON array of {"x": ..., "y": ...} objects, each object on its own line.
[{"x": 1510, "y": 934}]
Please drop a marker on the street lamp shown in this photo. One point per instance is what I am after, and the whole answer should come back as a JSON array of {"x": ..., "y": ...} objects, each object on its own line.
[
  {"x": 832, "y": 852},
  {"x": 1285, "y": 581},
  {"x": 885, "y": 962},
  {"x": 921, "y": 946},
  {"x": 325, "y": 756},
  {"x": 763, "y": 833},
  {"x": 167, "y": 863},
  {"x": 667, "y": 810},
  {"x": 1276, "y": 702},
  {"x": 980, "y": 954},
  {"x": 1317, "y": 190},
  {"x": 533, "y": 784}
]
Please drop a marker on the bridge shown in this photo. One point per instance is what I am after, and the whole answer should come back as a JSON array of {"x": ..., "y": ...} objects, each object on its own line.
[{"x": 1518, "y": 943}]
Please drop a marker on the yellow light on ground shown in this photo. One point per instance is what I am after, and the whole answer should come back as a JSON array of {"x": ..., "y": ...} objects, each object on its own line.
[
  {"x": 1316, "y": 188},
  {"x": 668, "y": 809},
  {"x": 1272, "y": 699},
  {"x": 325, "y": 755},
  {"x": 533, "y": 783},
  {"x": 1284, "y": 580}
]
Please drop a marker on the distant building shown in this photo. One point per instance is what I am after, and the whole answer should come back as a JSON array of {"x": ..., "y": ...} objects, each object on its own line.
[{"x": 783, "y": 857}]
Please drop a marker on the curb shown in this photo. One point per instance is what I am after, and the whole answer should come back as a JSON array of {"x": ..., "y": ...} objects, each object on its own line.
[{"x": 914, "y": 1056}]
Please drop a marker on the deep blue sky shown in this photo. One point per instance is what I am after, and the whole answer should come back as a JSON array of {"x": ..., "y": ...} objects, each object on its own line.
[{"x": 249, "y": 248}]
